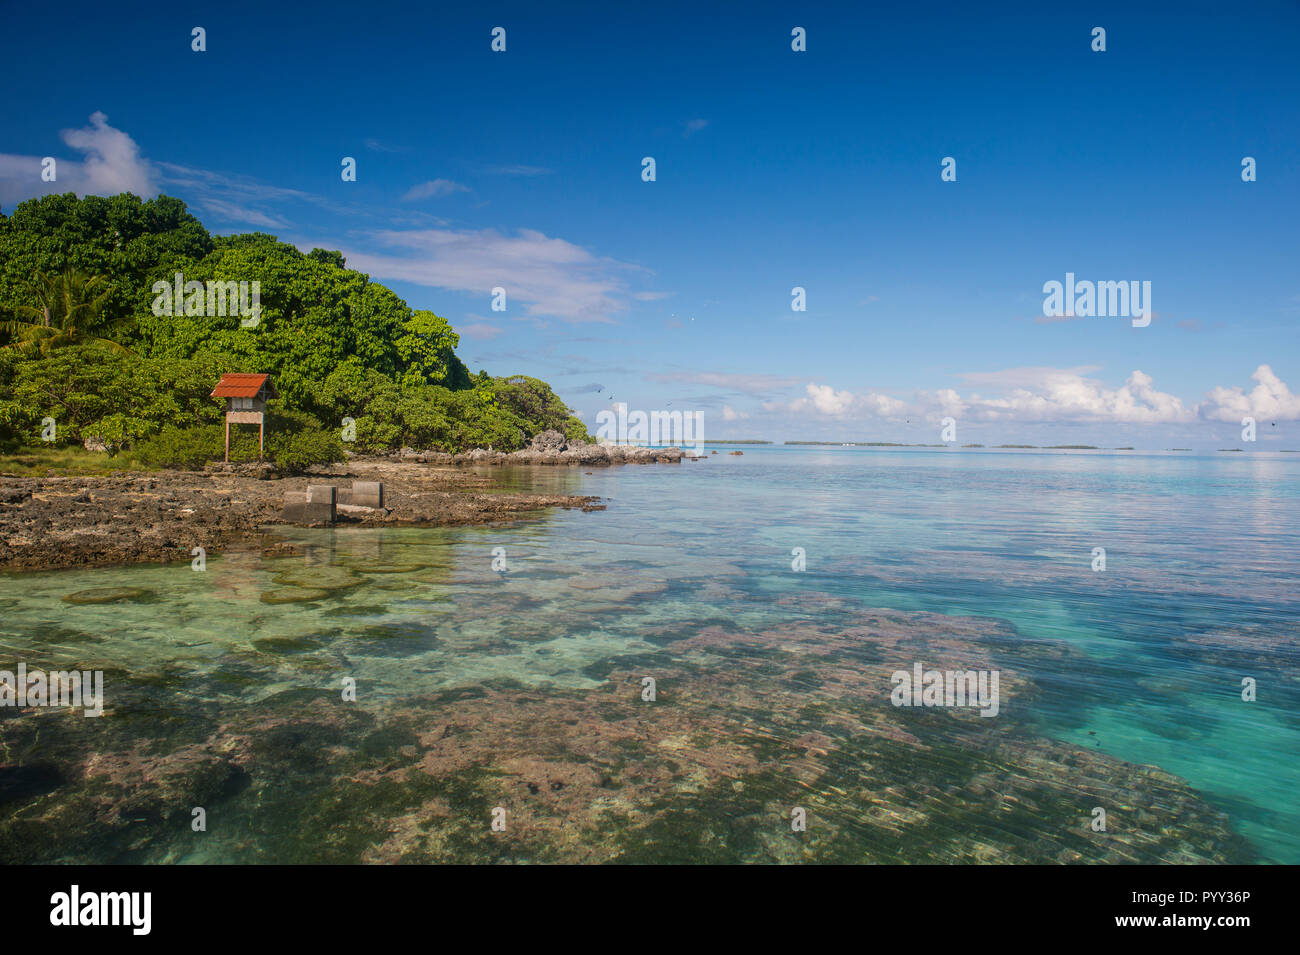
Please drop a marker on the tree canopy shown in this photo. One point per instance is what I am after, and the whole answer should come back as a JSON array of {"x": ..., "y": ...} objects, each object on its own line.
[{"x": 79, "y": 273}]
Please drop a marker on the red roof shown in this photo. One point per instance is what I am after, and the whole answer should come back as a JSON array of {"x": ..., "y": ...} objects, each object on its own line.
[{"x": 243, "y": 386}]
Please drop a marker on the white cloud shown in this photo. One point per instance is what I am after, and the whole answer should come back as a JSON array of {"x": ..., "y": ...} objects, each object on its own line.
[
  {"x": 228, "y": 198},
  {"x": 743, "y": 384},
  {"x": 206, "y": 183},
  {"x": 548, "y": 276},
  {"x": 731, "y": 414},
  {"x": 232, "y": 212},
  {"x": 825, "y": 400},
  {"x": 1048, "y": 395},
  {"x": 1019, "y": 395},
  {"x": 434, "y": 189},
  {"x": 1270, "y": 399},
  {"x": 479, "y": 330},
  {"x": 883, "y": 406},
  {"x": 111, "y": 164},
  {"x": 517, "y": 169}
]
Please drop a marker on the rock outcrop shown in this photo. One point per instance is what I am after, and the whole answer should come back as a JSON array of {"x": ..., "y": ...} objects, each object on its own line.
[{"x": 551, "y": 447}]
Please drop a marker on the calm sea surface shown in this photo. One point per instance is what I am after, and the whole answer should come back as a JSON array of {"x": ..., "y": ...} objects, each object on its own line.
[{"x": 520, "y": 696}]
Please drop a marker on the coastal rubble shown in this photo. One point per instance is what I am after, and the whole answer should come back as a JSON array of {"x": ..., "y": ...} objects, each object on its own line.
[
  {"x": 551, "y": 448},
  {"x": 56, "y": 522}
]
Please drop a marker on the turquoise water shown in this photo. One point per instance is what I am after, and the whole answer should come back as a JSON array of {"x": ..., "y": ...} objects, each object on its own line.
[{"x": 522, "y": 689}]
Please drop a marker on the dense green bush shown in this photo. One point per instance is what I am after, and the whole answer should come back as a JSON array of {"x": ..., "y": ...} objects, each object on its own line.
[
  {"x": 337, "y": 345},
  {"x": 185, "y": 448},
  {"x": 91, "y": 391},
  {"x": 294, "y": 443}
]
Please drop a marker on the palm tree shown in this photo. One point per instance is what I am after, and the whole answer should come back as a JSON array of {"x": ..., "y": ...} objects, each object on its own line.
[{"x": 68, "y": 313}]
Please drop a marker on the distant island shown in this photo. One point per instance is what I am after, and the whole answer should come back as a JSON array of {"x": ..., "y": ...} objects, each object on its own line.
[
  {"x": 898, "y": 444},
  {"x": 864, "y": 444},
  {"x": 973, "y": 447}
]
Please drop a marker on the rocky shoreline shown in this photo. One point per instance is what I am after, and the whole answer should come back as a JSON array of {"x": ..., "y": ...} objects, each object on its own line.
[
  {"x": 52, "y": 523},
  {"x": 552, "y": 448}
]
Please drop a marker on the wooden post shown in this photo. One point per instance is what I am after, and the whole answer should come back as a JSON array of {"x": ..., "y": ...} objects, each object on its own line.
[{"x": 227, "y": 437}]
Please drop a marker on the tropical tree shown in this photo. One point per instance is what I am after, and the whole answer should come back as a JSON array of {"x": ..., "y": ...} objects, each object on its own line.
[
  {"x": 427, "y": 348},
  {"x": 69, "y": 311},
  {"x": 129, "y": 240}
]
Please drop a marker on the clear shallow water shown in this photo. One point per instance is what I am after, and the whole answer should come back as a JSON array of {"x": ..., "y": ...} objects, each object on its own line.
[{"x": 477, "y": 689}]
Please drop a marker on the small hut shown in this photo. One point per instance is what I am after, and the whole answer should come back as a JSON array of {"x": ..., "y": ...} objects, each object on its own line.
[{"x": 246, "y": 397}]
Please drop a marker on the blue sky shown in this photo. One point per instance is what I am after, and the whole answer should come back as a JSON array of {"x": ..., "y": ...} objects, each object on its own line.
[{"x": 775, "y": 169}]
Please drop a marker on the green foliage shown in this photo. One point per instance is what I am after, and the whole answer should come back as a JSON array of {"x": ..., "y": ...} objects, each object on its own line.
[
  {"x": 530, "y": 398},
  {"x": 575, "y": 430},
  {"x": 68, "y": 309},
  {"x": 314, "y": 316},
  {"x": 294, "y": 443},
  {"x": 328, "y": 257},
  {"x": 90, "y": 391},
  {"x": 533, "y": 401},
  {"x": 72, "y": 461},
  {"x": 186, "y": 448},
  {"x": 119, "y": 237},
  {"x": 427, "y": 348},
  {"x": 336, "y": 344}
]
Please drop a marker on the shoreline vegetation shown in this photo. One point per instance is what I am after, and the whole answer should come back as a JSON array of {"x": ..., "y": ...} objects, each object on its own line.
[
  {"x": 112, "y": 445},
  {"x": 88, "y": 358},
  {"x": 110, "y": 439}
]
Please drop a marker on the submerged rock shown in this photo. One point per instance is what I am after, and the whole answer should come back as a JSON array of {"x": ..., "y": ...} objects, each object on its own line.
[
  {"x": 293, "y": 595},
  {"x": 319, "y": 578},
  {"x": 748, "y": 723},
  {"x": 107, "y": 595},
  {"x": 386, "y": 567}
]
